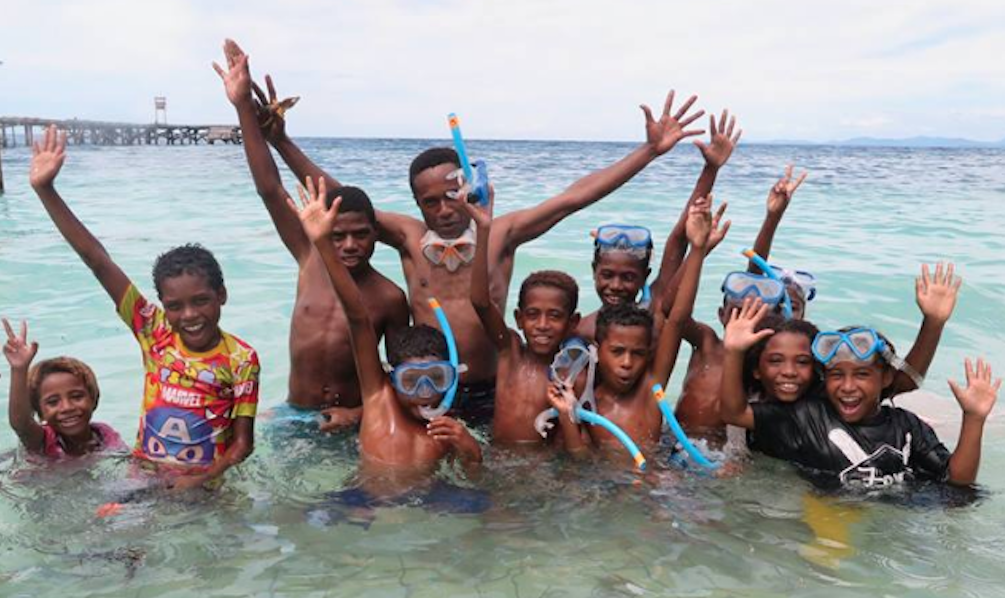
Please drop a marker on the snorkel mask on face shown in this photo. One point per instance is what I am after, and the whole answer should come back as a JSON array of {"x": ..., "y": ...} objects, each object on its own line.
[
  {"x": 572, "y": 358},
  {"x": 423, "y": 380},
  {"x": 859, "y": 344},
  {"x": 739, "y": 285},
  {"x": 801, "y": 279},
  {"x": 451, "y": 391}
]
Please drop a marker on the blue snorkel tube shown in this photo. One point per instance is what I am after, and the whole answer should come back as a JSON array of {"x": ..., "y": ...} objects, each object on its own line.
[
  {"x": 477, "y": 177},
  {"x": 448, "y": 398},
  {"x": 682, "y": 438},
  {"x": 770, "y": 273},
  {"x": 595, "y": 419}
]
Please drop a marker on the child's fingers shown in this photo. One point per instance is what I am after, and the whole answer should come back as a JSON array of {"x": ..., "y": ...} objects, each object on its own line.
[
  {"x": 668, "y": 104},
  {"x": 940, "y": 277},
  {"x": 322, "y": 188},
  {"x": 969, "y": 369},
  {"x": 24, "y": 330},
  {"x": 10, "y": 331},
  {"x": 926, "y": 276},
  {"x": 687, "y": 106},
  {"x": 292, "y": 204},
  {"x": 955, "y": 387},
  {"x": 736, "y": 139},
  {"x": 788, "y": 173},
  {"x": 647, "y": 112},
  {"x": 732, "y": 125},
  {"x": 711, "y": 125},
  {"x": 303, "y": 196},
  {"x": 799, "y": 181},
  {"x": 219, "y": 70},
  {"x": 950, "y": 270},
  {"x": 312, "y": 191}
]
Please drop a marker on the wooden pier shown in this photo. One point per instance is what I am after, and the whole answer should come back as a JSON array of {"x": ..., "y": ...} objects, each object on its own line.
[{"x": 80, "y": 132}]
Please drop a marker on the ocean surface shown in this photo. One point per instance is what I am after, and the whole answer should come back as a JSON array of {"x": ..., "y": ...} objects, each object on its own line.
[{"x": 864, "y": 221}]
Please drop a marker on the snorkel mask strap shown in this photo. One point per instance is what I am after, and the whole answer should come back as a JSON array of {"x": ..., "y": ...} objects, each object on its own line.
[
  {"x": 766, "y": 269},
  {"x": 900, "y": 365},
  {"x": 448, "y": 398}
]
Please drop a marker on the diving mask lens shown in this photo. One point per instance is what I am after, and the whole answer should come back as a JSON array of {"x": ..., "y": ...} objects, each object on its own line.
[
  {"x": 636, "y": 240},
  {"x": 739, "y": 285},
  {"x": 423, "y": 379},
  {"x": 570, "y": 360},
  {"x": 855, "y": 345},
  {"x": 801, "y": 278}
]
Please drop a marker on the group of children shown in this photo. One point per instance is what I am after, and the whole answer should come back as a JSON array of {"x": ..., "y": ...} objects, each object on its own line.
[{"x": 810, "y": 397}]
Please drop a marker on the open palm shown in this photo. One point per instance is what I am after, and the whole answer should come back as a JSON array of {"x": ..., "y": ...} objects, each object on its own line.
[
  {"x": 237, "y": 77},
  {"x": 47, "y": 158},
  {"x": 317, "y": 220},
  {"x": 663, "y": 134},
  {"x": 722, "y": 140}
]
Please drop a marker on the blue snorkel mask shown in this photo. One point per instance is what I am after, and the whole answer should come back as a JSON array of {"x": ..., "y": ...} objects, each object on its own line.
[
  {"x": 859, "y": 344},
  {"x": 801, "y": 279},
  {"x": 772, "y": 274},
  {"x": 451, "y": 391},
  {"x": 475, "y": 175},
  {"x": 634, "y": 240},
  {"x": 737, "y": 286}
]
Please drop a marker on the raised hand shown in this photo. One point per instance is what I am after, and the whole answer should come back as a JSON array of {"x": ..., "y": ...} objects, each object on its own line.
[
  {"x": 721, "y": 140},
  {"x": 719, "y": 229},
  {"x": 482, "y": 215},
  {"x": 237, "y": 77},
  {"x": 663, "y": 134},
  {"x": 18, "y": 351},
  {"x": 740, "y": 334},
  {"x": 936, "y": 296},
  {"x": 981, "y": 392},
  {"x": 272, "y": 111},
  {"x": 317, "y": 220},
  {"x": 47, "y": 158},
  {"x": 781, "y": 193},
  {"x": 699, "y": 222},
  {"x": 561, "y": 397}
]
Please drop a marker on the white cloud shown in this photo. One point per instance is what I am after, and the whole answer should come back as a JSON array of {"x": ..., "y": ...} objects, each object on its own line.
[{"x": 521, "y": 68}]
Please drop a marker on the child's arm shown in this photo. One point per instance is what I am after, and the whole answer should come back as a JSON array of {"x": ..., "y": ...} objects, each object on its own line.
[
  {"x": 318, "y": 223},
  {"x": 661, "y": 136},
  {"x": 740, "y": 337},
  {"x": 561, "y": 397},
  {"x": 46, "y": 161},
  {"x": 936, "y": 297},
  {"x": 665, "y": 297},
  {"x": 19, "y": 354},
  {"x": 716, "y": 154},
  {"x": 242, "y": 444},
  {"x": 699, "y": 225},
  {"x": 778, "y": 201},
  {"x": 237, "y": 82},
  {"x": 976, "y": 400},
  {"x": 491, "y": 318},
  {"x": 462, "y": 444}
]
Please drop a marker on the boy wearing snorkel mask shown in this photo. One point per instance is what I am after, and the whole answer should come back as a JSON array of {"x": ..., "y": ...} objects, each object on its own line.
[
  {"x": 395, "y": 439},
  {"x": 622, "y": 252},
  {"x": 322, "y": 375},
  {"x": 850, "y": 436},
  {"x": 437, "y": 250},
  {"x": 627, "y": 365},
  {"x": 546, "y": 314}
]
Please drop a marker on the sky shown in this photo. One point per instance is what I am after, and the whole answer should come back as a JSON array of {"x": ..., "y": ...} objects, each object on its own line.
[{"x": 521, "y": 69}]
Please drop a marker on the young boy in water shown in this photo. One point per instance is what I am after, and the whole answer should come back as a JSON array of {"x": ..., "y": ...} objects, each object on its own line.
[
  {"x": 850, "y": 436},
  {"x": 201, "y": 384},
  {"x": 627, "y": 367},
  {"x": 437, "y": 250},
  {"x": 396, "y": 445},
  {"x": 621, "y": 253},
  {"x": 322, "y": 375},
  {"x": 546, "y": 314},
  {"x": 63, "y": 393}
]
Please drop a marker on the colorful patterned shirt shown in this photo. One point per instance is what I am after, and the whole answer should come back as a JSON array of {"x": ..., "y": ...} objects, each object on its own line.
[
  {"x": 190, "y": 399},
  {"x": 106, "y": 439}
]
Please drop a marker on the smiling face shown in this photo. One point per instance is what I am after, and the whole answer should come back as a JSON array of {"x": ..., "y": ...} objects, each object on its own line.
[
  {"x": 854, "y": 387},
  {"x": 618, "y": 277},
  {"x": 786, "y": 367},
  {"x": 354, "y": 238},
  {"x": 544, "y": 319},
  {"x": 66, "y": 405},
  {"x": 442, "y": 214},
  {"x": 623, "y": 356},
  {"x": 192, "y": 308},
  {"x": 426, "y": 395}
]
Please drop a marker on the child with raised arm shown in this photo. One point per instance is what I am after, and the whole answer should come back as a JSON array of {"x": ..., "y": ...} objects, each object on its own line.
[
  {"x": 395, "y": 440},
  {"x": 201, "y": 384},
  {"x": 322, "y": 375},
  {"x": 546, "y": 314},
  {"x": 627, "y": 368},
  {"x": 436, "y": 251},
  {"x": 850, "y": 436},
  {"x": 63, "y": 393}
]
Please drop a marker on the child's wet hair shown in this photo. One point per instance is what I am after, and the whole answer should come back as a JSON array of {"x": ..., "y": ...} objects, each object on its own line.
[
  {"x": 553, "y": 279},
  {"x": 431, "y": 158},
  {"x": 416, "y": 342},
  {"x": 643, "y": 261},
  {"x": 60, "y": 365},
  {"x": 622, "y": 314},
  {"x": 880, "y": 358},
  {"x": 751, "y": 361},
  {"x": 354, "y": 199},
  {"x": 191, "y": 258}
]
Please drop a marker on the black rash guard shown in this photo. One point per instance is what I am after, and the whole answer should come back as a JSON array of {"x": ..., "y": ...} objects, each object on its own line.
[{"x": 891, "y": 447}]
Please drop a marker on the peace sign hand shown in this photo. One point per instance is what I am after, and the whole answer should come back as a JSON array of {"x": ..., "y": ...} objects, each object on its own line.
[
  {"x": 781, "y": 194},
  {"x": 18, "y": 350}
]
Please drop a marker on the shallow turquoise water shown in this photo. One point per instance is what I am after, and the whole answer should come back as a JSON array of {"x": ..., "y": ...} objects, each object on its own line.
[{"x": 863, "y": 222}]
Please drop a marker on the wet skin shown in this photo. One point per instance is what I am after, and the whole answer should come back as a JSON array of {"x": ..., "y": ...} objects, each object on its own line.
[
  {"x": 618, "y": 277},
  {"x": 322, "y": 368},
  {"x": 785, "y": 368},
  {"x": 66, "y": 405},
  {"x": 192, "y": 308},
  {"x": 854, "y": 388}
]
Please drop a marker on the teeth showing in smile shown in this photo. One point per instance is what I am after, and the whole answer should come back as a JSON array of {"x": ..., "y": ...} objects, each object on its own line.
[
  {"x": 193, "y": 329},
  {"x": 788, "y": 387}
]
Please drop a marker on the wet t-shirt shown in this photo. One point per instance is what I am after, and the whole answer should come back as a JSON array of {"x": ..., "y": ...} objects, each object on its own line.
[
  {"x": 190, "y": 399},
  {"x": 892, "y": 447}
]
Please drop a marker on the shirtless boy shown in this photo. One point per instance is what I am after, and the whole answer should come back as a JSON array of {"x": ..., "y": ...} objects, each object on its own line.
[
  {"x": 437, "y": 250},
  {"x": 398, "y": 448},
  {"x": 322, "y": 375},
  {"x": 627, "y": 367},
  {"x": 546, "y": 314}
]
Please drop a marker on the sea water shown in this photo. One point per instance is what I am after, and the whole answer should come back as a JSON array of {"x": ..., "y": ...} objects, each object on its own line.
[{"x": 863, "y": 222}]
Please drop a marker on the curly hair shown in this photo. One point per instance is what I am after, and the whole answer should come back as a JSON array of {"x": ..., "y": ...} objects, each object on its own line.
[
  {"x": 623, "y": 314},
  {"x": 553, "y": 279},
  {"x": 192, "y": 259},
  {"x": 416, "y": 342},
  {"x": 752, "y": 360},
  {"x": 431, "y": 158},
  {"x": 60, "y": 365}
]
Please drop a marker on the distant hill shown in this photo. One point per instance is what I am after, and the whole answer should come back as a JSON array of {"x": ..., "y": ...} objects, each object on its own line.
[{"x": 920, "y": 141}]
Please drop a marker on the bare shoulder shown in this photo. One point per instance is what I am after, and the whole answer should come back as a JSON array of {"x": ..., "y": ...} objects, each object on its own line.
[{"x": 382, "y": 293}]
